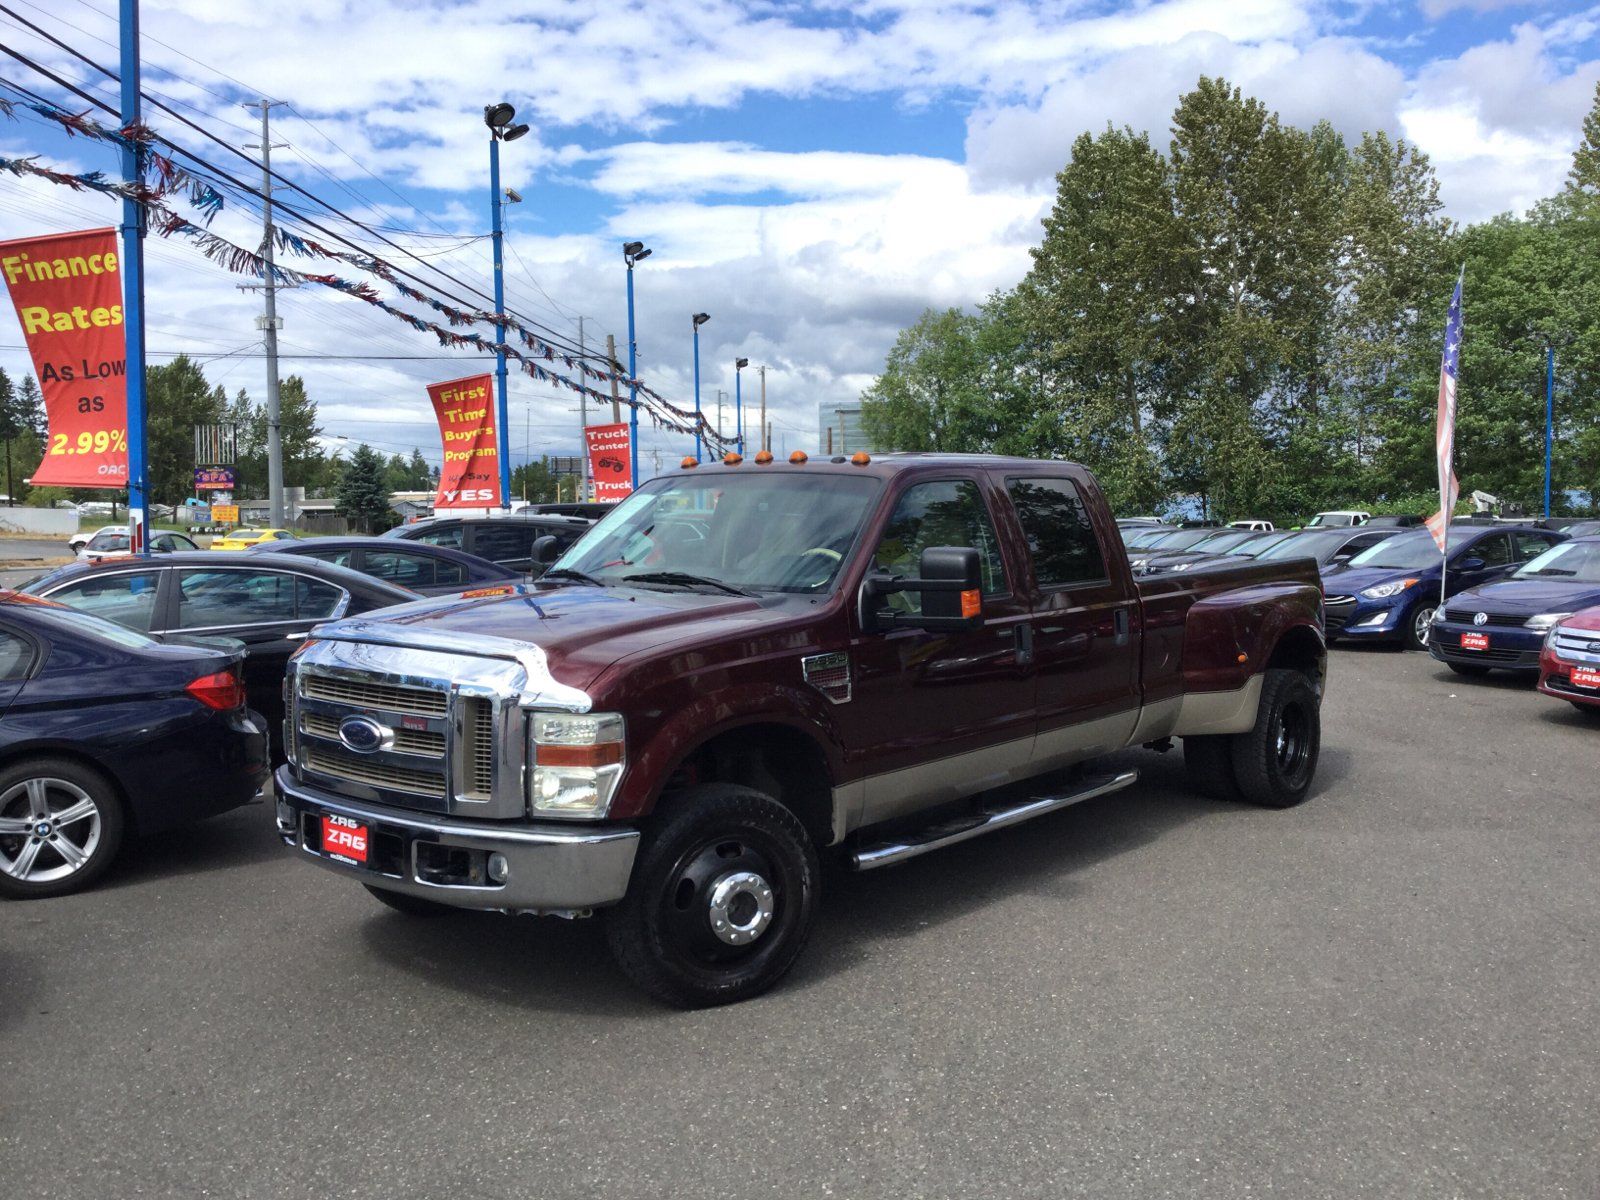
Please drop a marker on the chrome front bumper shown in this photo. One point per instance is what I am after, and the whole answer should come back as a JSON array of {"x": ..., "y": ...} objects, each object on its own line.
[{"x": 552, "y": 867}]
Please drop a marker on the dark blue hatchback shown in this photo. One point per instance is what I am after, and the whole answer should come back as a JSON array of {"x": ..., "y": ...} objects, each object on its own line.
[
  {"x": 1503, "y": 625},
  {"x": 1389, "y": 593}
]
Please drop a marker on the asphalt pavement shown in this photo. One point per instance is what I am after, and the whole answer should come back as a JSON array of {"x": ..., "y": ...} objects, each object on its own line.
[{"x": 1390, "y": 991}]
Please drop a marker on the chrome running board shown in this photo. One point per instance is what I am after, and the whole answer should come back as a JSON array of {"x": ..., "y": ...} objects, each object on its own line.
[{"x": 960, "y": 829}]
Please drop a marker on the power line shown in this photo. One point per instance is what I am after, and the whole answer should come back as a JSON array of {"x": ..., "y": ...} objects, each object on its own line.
[{"x": 556, "y": 338}]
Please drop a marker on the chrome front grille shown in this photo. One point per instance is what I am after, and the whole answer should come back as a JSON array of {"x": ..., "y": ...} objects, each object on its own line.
[
  {"x": 478, "y": 746},
  {"x": 365, "y": 693},
  {"x": 424, "y": 743},
  {"x": 1574, "y": 643},
  {"x": 357, "y": 769}
]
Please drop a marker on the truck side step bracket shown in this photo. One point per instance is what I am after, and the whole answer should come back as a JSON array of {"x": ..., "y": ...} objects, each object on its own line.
[{"x": 948, "y": 833}]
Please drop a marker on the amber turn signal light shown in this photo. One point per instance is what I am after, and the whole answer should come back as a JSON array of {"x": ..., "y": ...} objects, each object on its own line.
[
  {"x": 730, "y": 459},
  {"x": 861, "y": 458},
  {"x": 798, "y": 457},
  {"x": 764, "y": 457},
  {"x": 971, "y": 603},
  {"x": 689, "y": 462},
  {"x": 601, "y": 754}
]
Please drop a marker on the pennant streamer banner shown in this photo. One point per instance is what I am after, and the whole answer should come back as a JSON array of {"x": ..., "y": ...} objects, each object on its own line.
[
  {"x": 609, "y": 451},
  {"x": 470, "y": 477},
  {"x": 67, "y": 290}
]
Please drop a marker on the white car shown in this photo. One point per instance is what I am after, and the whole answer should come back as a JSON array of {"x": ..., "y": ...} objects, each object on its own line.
[
  {"x": 1338, "y": 519},
  {"x": 1258, "y": 526},
  {"x": 79, "y": 540},
  {"x": 112, "y": 542}
]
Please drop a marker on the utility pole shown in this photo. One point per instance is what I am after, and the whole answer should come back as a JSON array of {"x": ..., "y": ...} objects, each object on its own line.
[
  {"x": 269, "y": 322},
  {"x": 616, "y": 368},
  {"x": 720, "y": 395},
  {"x": 133, "y": 227},
  {"x": 583, "y": 417},
  {"x": 766, "y": 430}
]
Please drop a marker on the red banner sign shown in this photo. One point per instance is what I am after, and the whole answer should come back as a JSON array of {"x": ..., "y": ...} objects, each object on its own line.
[
  {"x": 608, "y": 461},
  {"x": 68, "y": 293},
  {"x": 470, "y": 477}
]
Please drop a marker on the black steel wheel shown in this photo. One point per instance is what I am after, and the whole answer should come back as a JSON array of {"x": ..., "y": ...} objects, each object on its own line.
[
  {"x": 1275, "y": 761},
  {"x": 721, "y": 900}
]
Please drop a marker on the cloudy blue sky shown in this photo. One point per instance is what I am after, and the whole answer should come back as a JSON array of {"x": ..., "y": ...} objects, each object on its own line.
[{"x": 813, "y": 175}]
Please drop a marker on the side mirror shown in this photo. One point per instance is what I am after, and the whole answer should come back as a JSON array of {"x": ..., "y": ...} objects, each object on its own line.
[
  {"x": 950, "y": 585},
  {"x": 545, "y": 551},
  {"x": 1472, "y": 564}
]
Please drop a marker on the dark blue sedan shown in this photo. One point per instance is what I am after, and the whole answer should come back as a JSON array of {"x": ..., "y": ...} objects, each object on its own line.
[
  {"x": 108, "y": 733},
  {"x": 1503, "y": 625},
  {"x": 1388, "y": 593},
  {"x": 415, "y": 566}
]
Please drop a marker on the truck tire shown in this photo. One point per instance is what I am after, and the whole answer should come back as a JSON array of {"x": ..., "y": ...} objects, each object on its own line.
[
  {"x": 722, "y": 897},
  {"x": 412, "y": 906},
  {"x": 61, "y": 824},
  {"x": 1209, "y": 761},
  {"x": 1275, "y": 761}
]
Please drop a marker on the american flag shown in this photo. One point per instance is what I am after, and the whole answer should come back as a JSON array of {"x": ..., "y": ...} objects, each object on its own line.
[{"x": 1445, "y": 436}]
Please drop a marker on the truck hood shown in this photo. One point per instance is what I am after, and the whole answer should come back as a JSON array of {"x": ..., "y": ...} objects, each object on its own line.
[
  {"x": 581, "y": 629},
  {"x": 1527, "y": 597}
]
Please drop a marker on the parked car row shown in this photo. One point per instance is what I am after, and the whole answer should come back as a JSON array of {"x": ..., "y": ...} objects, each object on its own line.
[{"x": 1504, "y": 597}]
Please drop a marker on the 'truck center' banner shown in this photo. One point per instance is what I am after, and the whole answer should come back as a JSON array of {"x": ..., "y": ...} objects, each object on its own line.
[
  {"x": 609, "y": 453},
  {"x": 470, "y": 477},
  {"x": 68, "y": 293}
]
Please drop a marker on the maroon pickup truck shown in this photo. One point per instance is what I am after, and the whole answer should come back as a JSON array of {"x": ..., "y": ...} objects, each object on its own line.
[{"x": 747, "y": 665}]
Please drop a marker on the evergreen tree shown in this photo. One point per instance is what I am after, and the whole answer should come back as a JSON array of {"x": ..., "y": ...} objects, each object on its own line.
[
  {"x": 1584, "y": 177},
  {"x": 30, "y": 407},
  {"x": 10, "y": 429},
  {"x": 362, "y": 493},
  {"x": 421, "y": 475}
]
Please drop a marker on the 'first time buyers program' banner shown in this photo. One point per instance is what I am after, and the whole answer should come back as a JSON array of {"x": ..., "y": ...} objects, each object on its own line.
[
  {"x": 470, "y": 477},
  {"x": 68, "y": 294}
]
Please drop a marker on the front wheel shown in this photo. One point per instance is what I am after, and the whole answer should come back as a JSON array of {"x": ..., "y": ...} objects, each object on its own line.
[
  {"x": 723, "y": 892},
  {"x": 61, "y": 825},
  {"x": 1421, "y": 626},
  {"x": 1275, "y": 761}
]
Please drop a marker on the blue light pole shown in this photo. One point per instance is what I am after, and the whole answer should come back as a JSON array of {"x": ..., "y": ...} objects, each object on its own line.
[
  {"x": 699, "y": 320},
  {"x": 1549, "y": 416},
  {"x": 498, "y": 118},
  {"x": 632, "y": 252},
  {"x": 133, "y": 286},
  {"x": 739, "y": 364}
]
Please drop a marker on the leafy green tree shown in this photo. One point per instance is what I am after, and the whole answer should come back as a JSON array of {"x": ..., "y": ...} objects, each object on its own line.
[
  {"x": 534, "y": 482},
  {"x": 1584, "y": 177},
  {"x": 178, "y": 398},
  {"x": 363, "y": 493}
]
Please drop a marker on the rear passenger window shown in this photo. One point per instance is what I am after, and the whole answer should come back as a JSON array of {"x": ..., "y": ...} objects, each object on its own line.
[
  {"x": 16, "y": 655},
  {"x": 128, "y": 598},
  {"x": 445, "y": 535},
  {"x": 1060, "y": 537},
  {"x": 503, "y": 541},
  {"x": 1531, "y": 545},
  {"x": 396, "y": 566}
]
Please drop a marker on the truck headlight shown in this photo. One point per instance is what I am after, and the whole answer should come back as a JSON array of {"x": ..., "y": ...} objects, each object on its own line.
[
  {"x": 1384, "y": 590},
  {"x": 1545, "y": 622},
  {"x": 577, "y": 762}
]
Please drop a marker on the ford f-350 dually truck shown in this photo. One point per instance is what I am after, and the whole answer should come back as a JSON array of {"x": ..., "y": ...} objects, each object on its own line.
[{"x": 747, "y": 665}]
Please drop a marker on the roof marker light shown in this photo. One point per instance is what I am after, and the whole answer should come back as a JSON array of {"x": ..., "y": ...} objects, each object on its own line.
[
  {"x": 730, "y": 459},
  {"x": 689, "y": 463},
  {"x": 799, "y": 457},
  {"x": 763, "y": 457},
  {"x": 860, "y": 458}
]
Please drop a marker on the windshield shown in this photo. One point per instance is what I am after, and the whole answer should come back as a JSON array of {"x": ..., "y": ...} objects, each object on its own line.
[
  {"x": 1407, "y": 551},
  {"x": 1577, "y": 561},
  {"x": 1264, "y": 544},
  {"x": 1137, "y": 539},
  {"x": 776, "y": 531},
  {"x": 108, "y": 541},
  {"x": 1331, "y": 518},
  {"x": 1181, "y": 540}
]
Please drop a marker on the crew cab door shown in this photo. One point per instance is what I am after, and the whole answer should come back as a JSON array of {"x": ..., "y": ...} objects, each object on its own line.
[
  {"x": 936, "y": 716},
  {"x": 1085, "y": 614}
]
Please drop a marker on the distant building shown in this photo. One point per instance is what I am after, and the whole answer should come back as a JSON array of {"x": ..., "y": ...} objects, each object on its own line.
[{"x": 839, "y": 430}]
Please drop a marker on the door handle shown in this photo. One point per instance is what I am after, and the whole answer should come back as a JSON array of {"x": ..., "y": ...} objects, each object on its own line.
[
  {"x": 1120, "y": 625},
  {"x": 1024, "y": 644}
]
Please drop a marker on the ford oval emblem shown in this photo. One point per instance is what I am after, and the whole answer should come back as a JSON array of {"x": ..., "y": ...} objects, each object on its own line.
[
  {"x": 363, "y": 735},
  {"x": 1481, "y": 619}
]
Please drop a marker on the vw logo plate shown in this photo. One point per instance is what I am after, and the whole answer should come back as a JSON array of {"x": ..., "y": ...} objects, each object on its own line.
[{"x": 1481, "y": 619}]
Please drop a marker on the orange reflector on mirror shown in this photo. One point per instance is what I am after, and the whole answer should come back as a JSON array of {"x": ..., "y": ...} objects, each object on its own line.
[{"x": 971, "y": 603}]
